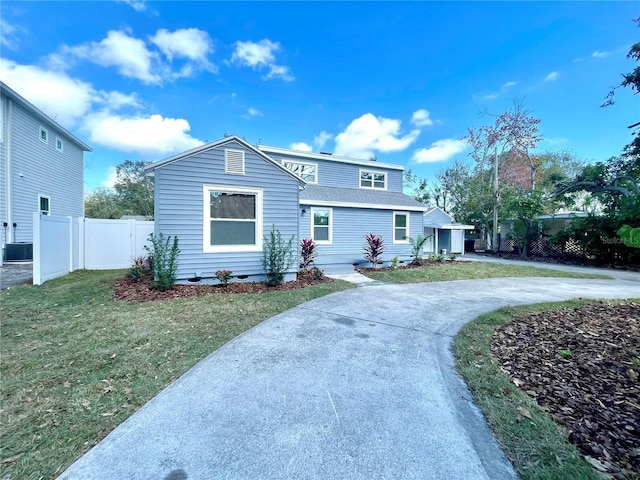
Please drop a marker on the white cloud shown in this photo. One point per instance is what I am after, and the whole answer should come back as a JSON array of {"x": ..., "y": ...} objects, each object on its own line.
[
  {"x": 128, "y": 54},
  {"x": 420, "y": 118},
  {"x": 508, "y": 85},
  {"x": 116, "y": 100},
  {"x": 255, "y": 55},
  {"x": 149, "y": 135},
  {"x": 137, "y": 5},
  {"x": 190, "y": 43},
  {"x": 61, "y": 97},
  {"x": 301, "y": 146},
  {"x": 551, "y": 77},
  {"x": 112, "y": 176},
  {"x": 440, "y": 151},
  {"x": 321, "y": 139},
  {"x": 9, "y": 34},
  {"x": 279, "y": 71},
  {"x": 599, "y": 54},
  {"x": 556, "y": 141},
  {"x": 259, "y": 55},
  {"x": 368, "y": 133},
  {"x": 252, "y": 112},
  {"x": 490, "y": 96}
]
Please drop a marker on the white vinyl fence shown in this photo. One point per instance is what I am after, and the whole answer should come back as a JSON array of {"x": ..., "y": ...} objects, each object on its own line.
[{"x": 64, "y": 244}]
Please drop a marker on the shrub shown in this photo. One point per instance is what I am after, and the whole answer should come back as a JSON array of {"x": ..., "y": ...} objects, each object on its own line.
[
  {"x": 224, "y": 276},
  {"x": 165, "y": 260},
  {"x": 453, "y": 256},
  {"x": 308, "y": 253},
  {"x": 317, "y": 274},
  {"x": 395, "y": 262},
  {"x": 277, "y": 256},
  {"x": 416, "y": 248},
  {"x": 138, "y": 268},
  {"x": 436, "y": 258},
  {"x": 374, "y": 249}
]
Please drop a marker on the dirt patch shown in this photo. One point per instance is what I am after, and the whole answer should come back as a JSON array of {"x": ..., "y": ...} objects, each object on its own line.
[
  {"x": 582, "y": 365},
  {"x": 143, "y": 291}
]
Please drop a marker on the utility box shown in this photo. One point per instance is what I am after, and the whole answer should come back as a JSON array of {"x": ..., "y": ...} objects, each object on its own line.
[{"x": 18, "y": 252}]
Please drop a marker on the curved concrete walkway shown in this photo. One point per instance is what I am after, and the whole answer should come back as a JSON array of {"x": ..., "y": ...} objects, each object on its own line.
[{"x": 359, "y": 384}]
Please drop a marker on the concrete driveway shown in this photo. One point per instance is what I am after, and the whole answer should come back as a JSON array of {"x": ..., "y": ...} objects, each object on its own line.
[{"x": 355, "y": 385}]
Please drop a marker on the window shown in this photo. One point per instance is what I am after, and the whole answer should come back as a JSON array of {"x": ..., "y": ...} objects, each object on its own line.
[
  {"x": 44, "y": 135},
  {"x": 232, "y": 219},
  {"x": 44, "y": 204},
  {"x": 321, "y": 225},
  {"x": 306, "y": 171},
  {"x": 59, "y": 144},
  {"x": 370, "y": 179},
  {"x": 400, "y": 227},
  {"x": 234, "y": 162}
]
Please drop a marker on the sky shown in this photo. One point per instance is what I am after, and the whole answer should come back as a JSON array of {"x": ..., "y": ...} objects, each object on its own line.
[{"x": 401, "y": 81}]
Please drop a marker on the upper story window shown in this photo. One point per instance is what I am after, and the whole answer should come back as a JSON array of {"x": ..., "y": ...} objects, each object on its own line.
[
  {"x": 44, "y": 135},
  {"x": 373, "y": 179},
  {"x": 234, "y": 161},
  {"x": 44, "y": 205},
  {"x": 306, "y": 171},
  {"x": 232, "y": 219},
  {"x": 59, "y": 144}
]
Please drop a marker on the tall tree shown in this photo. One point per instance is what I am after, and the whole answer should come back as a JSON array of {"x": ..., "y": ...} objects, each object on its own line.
[
  {"x": 132, "y": 194},
  {"x": 631, "y": 79}
]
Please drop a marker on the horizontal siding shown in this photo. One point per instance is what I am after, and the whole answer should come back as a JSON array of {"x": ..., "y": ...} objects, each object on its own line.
[
  {"x": 437, "y": 217},
  {"x": 37, "y": 168},
  {"x": 350, "y": 225},
  {"x": 3, "y": 174},
  {"x": 346, "y": 175},
  {"x": 179, "y": 208}
]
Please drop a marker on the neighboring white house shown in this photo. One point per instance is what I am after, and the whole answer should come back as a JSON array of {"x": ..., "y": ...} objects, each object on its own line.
[
  {"x": 41, "y": 170},
  {"x": 444, "y": 234}
]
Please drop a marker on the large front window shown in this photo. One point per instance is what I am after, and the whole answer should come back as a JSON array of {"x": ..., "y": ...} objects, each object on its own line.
[
  {"x": 370, "y": 179},
  {"x": 321, "y": 225},
  {"x": 232, "y": 219}
]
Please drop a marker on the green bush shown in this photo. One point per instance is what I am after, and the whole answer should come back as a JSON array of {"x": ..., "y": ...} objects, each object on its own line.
[
  {"x": 277, "y": 256},
  {"x": 416, "y": 248},
  {"x": 165, "y": 260},
  {"x": 224, "y": 276}
]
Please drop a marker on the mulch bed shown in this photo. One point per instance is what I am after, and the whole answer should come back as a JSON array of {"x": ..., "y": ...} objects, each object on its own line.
[
  {"x": 143, "y": 291},
  {"x": 559, "y": 261},
  {"x": 582, "y": 365}
]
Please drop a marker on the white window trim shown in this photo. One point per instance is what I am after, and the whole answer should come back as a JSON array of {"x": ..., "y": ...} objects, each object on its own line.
[
  {"x": 206, "y": 219},
  {"x": 393, "y": 227},
  {"x": 244, "y": 157},
  {"x": 40, "y": 130},
  {"x": 311, "y": 220},
  {"x": 42, "y": 212},
  {"x": 366, "y": 170},
  {"x": 61, "y": 149},
  {"x": 307, "y": 164}
]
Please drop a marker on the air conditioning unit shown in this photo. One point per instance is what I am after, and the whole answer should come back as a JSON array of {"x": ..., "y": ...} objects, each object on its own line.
[{"x": 18, "y": 252}]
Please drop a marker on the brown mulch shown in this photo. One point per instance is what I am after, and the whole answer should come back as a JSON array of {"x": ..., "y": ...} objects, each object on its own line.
[
  {"x": 582, "y": 365},
  {"x": 561, "y": 261},
  {"x": 143, "y": 291}
]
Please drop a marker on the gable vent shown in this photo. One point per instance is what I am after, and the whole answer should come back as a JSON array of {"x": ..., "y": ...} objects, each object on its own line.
[{"x": 234, "y": 162}]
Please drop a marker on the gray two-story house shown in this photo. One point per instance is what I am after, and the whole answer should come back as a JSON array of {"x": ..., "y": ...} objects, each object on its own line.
[
  {"x": 221, "y": 199},
  {"x": 41, "y": 170}
]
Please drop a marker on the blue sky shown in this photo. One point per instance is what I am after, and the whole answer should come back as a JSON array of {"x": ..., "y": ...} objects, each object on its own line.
[{"x": 143, "y": 80}]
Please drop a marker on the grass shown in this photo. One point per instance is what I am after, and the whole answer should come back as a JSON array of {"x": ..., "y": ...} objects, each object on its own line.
[
  {"x": 447, "y": 271},
  {"x": 76, "y": 363},
  {"x": 538, "y": 448}
]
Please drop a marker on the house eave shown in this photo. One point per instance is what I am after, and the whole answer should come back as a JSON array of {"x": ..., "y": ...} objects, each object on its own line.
[
  {"x": 43, "y": 117},
  {"x": 326, "y": 203}
]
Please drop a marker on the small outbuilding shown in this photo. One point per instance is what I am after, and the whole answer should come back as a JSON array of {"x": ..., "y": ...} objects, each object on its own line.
[{"x": 445, "y": 235}]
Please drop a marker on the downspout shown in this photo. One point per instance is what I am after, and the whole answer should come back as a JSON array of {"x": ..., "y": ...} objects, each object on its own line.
[{"x": 9, "y": 236}]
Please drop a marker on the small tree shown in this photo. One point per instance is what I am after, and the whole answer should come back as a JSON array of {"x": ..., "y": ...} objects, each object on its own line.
[
  {"x": 308, "y": 253},
  {"x": 277, "y": 256},
  {"x": 165, "y": 260},
  {"x": 374, "y": 249},
  {"x": 416, "y": 248}
]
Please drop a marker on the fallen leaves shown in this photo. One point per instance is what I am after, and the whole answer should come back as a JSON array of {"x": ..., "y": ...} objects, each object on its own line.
[
  {"x": 579, "y": 365},
  {"x": 525, "y": 412}
]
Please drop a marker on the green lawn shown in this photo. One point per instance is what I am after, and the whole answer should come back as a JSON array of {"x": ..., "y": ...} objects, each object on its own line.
[
  {"x": 538, "y": 448},
  {"x": 446, "y": 271},
  {"x": 75, "y": 363}
]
